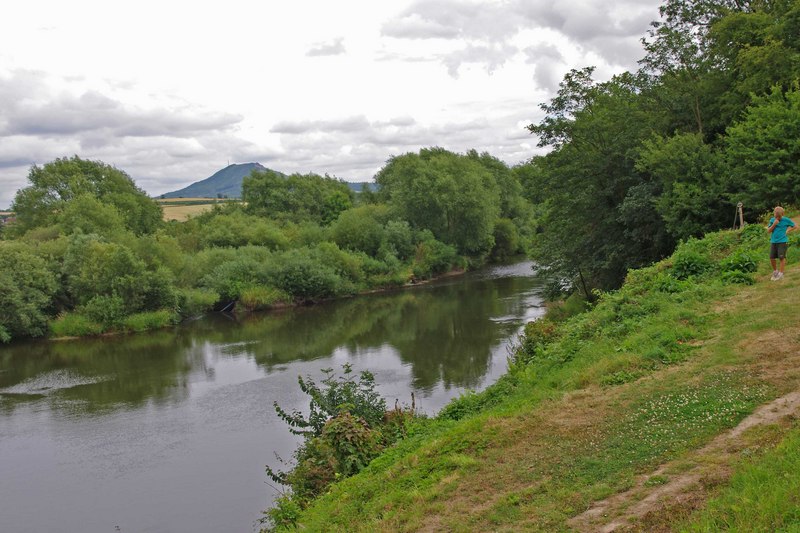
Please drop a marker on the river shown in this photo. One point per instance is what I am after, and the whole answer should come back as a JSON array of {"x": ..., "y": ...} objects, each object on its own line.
[{"x": 169, "y": 431}]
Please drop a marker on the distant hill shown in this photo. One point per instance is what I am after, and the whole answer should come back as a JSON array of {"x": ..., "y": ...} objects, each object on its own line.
[
  {"x": 358, "y": 186},
  {"x": 228, "y": 183},
  {"x": 225, "y": 182}
]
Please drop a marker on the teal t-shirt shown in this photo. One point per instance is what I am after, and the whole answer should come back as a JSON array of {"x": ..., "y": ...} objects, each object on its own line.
[{"x": 779, "y": 233}]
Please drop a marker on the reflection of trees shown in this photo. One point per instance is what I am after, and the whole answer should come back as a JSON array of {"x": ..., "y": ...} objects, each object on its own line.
[
  {"x": 127, "y": 369},
  {"x": 445, "y": 333}
]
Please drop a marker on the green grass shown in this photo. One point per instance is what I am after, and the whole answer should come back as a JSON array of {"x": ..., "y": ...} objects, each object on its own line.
[
  {"x": 653, "y": 372},
  {"x": 149, "y": 320},
  {"x": 74, "y": 325},
  {"x": 763, "y": 495}
]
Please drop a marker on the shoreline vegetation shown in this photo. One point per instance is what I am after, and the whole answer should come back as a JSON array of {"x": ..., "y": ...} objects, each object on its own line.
[{"x": 274, "y": 308}]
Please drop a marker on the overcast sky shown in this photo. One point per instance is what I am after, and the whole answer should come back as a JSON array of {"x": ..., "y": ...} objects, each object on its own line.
[{"x": 172, "y": 91}]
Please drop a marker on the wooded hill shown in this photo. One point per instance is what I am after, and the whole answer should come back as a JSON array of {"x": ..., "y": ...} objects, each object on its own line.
[{"x": 227, "y": 183}]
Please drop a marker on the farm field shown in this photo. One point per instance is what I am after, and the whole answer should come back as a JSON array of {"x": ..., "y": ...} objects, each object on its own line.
[{"x": 181, "y": 209}]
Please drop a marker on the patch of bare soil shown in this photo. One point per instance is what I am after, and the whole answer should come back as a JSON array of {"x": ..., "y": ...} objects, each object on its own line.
[{"x": 681, "y": 492}]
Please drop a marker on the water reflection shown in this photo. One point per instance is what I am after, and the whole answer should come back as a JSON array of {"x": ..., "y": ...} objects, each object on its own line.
[{"x": 445, "y": 333}]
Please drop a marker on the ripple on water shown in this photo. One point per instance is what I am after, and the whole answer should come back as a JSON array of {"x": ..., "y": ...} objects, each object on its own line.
[{"x": 49, "y": 382}]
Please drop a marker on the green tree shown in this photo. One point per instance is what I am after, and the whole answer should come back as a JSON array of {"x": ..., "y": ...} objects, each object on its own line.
[
  {"x": 360, "y": 228},
  {"x": 297, "y": 198},
  {"x": 27, "y": 288},
  {"x": 54, "y": 185},
  {"x": 452, "y": 195},
  {"x": 686, "y": 172},
  {"x": 763, "y": 152},
  {"x": 588, "y": 228}
]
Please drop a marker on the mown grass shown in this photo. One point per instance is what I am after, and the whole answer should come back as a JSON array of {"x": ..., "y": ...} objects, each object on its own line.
[
  {"x": 653, "y": 371},
  {"x": 763, "y": 495}
]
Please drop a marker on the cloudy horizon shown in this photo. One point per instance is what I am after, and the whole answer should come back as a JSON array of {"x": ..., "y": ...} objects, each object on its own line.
[{"x": 172, "y": 92}]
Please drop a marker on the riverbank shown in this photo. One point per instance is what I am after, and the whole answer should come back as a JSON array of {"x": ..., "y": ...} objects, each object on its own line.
[
  {"x": 646, "y": 413},
  {"x": 144, "y": 322}
]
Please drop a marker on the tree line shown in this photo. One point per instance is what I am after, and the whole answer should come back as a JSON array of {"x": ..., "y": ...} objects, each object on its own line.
[
  {"x": 652, "y": 157},
  {"x": 89, "y": 252}
]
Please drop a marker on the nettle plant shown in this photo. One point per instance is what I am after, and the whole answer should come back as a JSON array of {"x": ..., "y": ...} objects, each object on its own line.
[{"x": 346, "y": 427}]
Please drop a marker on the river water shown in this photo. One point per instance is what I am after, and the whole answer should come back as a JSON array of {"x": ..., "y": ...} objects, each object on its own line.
[{"x": 170, "y": 431}]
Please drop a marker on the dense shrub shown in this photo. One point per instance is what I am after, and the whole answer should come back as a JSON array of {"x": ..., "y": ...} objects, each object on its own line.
[
  {"x": 27, "y": 288},
  {"x": 239, "y": 229},
  {"x": 306, "y": 278},
  {"x": 336, "y": 395},
  {"x": 739, "y": 261},
  {"x": 229, "y": 279},
  {"x": 433, "y": 257},
  {"x": 686, "y": 264},
  {"x": 106, "y": 310},
  {"x": 537, "y": 335},
  {"x": 360, "y": 229},
  {"x": 398, "y": 239}
]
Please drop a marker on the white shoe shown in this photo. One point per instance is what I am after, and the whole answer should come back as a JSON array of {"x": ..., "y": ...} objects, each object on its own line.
[
  {"x": 774, "y": 276},
  {"x": 779, "y": 276}
]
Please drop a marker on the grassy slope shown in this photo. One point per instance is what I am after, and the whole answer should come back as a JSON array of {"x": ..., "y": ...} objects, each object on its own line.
[{"x": 647, "y": 378}]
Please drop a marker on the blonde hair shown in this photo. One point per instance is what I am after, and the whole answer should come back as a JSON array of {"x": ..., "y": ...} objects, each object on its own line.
[{"x": 778, "y": 211}]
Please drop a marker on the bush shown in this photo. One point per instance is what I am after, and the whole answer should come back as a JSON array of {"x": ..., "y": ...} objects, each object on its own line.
[
  {"x": 229, "y": 279},
  {"x": 687, "y": 263},
  {"x": 739, "y": 261},
  {"x": 27, "y": 288},
  {"x": 432, "y": 258},
  {"x": 538, "y": 334},
  {"x": 284, "y": 513},
  {"x": 398, "y": 238},
  {"x": 74, "y": 325},
  {"x": 108, "y": 311},
  {"x": 360, "y": 229},
  {"x": 306, "y": 279},
  {"x": 336, "y": 395},
  {"x": 341, "y": 436},
  {"x": 352, "y": 442},
  {"x": 506, "y": 239},
  {"x": 737, "y": 276}
]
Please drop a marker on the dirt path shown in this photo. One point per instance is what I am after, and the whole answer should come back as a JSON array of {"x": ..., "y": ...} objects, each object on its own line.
[
  {"x": 644, "y": 499},
  {"x": 680, "y": 486}
]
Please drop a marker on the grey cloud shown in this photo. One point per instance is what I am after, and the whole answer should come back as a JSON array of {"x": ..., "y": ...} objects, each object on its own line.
[
  {"x": 451, "y": 19},
  {"x": 549, "y": 65},
  {"x": 487, "y": 30},
  {"x": 344, "y": 125},
  {"x": 491, "y": 56},
  {"x": 541, "y": 50},
  {"x": 584, "y": 20},
  {"x": 334, "y": 48},
  {"x": 92, "y": 111},
  {"x": 157, "y": 147},
  {"x": 413, "y": 26}
]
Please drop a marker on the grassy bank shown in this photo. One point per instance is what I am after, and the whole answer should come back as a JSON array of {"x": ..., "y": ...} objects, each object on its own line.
[{"x": 606, "y": 408}]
